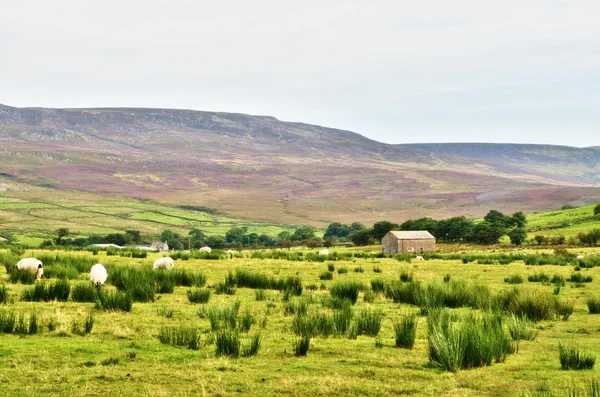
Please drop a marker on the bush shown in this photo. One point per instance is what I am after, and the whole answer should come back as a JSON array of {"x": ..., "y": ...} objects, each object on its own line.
[
  {"x": 114, "y": 301},
  {"x": 368, "y": 322},
  {"x": 180, "y": 336},
  {"x": 326, "y": 276},
  {"x": 405, "y": 331},
  {"x": 198, "y": 295},
  {"x": 514, "y": 279},
  {"x": 346, "y": 290},
  {"x": 572, "y": 358}
]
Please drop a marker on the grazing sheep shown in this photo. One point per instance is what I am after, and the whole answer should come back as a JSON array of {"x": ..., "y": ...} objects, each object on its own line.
[
  {"x": 98, "y": 274},
  {"x": 580, "y": 256},
  {"x": 31, "y": 264},
  {"x": 205, "y": 249},
  {"x": 39, "y": 273},
  {"x": 419, "y": 258},
  {"x": 324, "y": 252},
  {"x": 163, "y": 263},
  {"x": 230, "y": 253}
]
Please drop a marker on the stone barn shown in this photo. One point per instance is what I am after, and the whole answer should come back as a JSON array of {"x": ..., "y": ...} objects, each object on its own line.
[{"x": 408, "y": 242}]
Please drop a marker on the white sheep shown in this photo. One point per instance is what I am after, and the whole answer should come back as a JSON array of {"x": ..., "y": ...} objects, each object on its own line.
[
  {"x": 206, "y": 249},
  {"x": 31, "y": 264},
  {"x": 580, "y": 256},
  {"x": 163, "y": 263},
  {"x": 324, "y": 252},
  {"x": 419, "y": 258},
  {"x": 98, "y": 274},
  {"x": 230, "y": 253}
]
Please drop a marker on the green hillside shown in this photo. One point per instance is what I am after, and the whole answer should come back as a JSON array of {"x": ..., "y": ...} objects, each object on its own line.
[
  {"x": 566, "y": 222},
  {"x": 31, "y": 217}
]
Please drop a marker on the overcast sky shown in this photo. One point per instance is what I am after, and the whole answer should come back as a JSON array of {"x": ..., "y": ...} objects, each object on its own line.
[{"x": 525, "y": 71}]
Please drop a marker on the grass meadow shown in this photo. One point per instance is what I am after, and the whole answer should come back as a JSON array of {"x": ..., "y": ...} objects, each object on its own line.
[{"x": 474, "y": 335}]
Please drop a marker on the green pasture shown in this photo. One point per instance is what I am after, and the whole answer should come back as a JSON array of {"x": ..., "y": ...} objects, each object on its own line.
[
  {"x": 122, "y": 354},
  {"x": 566, "y": 222}
]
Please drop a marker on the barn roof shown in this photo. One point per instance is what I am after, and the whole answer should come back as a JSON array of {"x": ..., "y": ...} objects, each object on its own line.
[{"x": 412, "y": 235}]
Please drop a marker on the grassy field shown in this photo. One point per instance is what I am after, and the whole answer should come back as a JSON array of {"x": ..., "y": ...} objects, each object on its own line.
[
  {"x": 32, "y": 218},
  {"x": 567, "y": 222},
  {"x": 123, "y": 354}
]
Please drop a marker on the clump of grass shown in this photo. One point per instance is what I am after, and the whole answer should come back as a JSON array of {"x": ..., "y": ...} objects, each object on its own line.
[
  {"x": 164, "y": 311},
  {"x": 326, "y": 276},
  {"x": 571, "y": 357},
  {"x": 558, "y": 280},
  {"x": 223, "y": 317},
  {"x": 376, "y": 269},
  {"x": 514, "y": 279},
  {"x": 564, "y": 309},
  {"x": 520, "y": 329},
  {"x": 556, "y": 290},
  {"x": 369, "y": 296},
  {"x": 188, "y": 279},
  {"x": 346, "y": 290},
  {"x": 227, "y": 343},
  {"x": 84, "y": 292},
  {"x": 342, "y": 270},
  {"x": 114, "y": 301},
  {"x": 110, "y": 361},
  {"x": 295, "y": 306},
  {"x": 83, "y": 329},
  {"x": 447, "y": 278},
  {"x": 301, "y": 345},
  {"x": 378, "y": 285},
  {"x": 406, "y": 276},
  {"x": 8, "y": 320},
  {"x": 198, "y": 295},
  {"x": 43, "y": 292},
  {"x": 593, "y": 305},
  {"x": 405, "y": 331},
  {"x": 245, "y": 321},
  {"x": 253, "y": 346},
  {"x": 3, "y": 294},
  {"x": 260, "y": 294},
  {"x": 224, "y": 288},
  {"x": 538, "y": 278},
  {"x": 368, "y": 322},
  {"x": 330, "y": 267},
  {"x": 35, "y": 324},
  {"x": 359, "y": 269},
  {"x": 181, "y": 336},
  {"x": 589, "y": 389},
  {"x": 580, "y": 278},
  {"x": 342, "y": 318},
  {"x": 21, "y": 276}
]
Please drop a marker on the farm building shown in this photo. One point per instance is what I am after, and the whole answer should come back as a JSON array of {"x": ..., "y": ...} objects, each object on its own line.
[
  {"x": 408, "y": 242},
  {"x": 160, "y": 246}
]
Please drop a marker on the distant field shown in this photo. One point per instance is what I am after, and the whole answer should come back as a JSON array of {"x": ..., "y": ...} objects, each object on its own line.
[
  {"x": 123, "y": 356},
  {"x": 33, "y": 217},
  {"x": 566, "y": 222}
]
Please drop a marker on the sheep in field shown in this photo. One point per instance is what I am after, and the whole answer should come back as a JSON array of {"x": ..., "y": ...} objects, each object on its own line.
[
  {"x": 419, "y": 258},
  {"x": 229, "y": 253},
  {"x": 163, "y": 263},
  {"x": 580, "y": 256},
  {"x": 324, "y": 252},
  {"x": 98, "y": 274},
  {"x": 31, "y": 264},
  {"x": 206, "y": 249}
]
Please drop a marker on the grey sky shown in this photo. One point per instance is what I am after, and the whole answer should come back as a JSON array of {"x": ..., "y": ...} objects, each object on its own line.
[{"x": 396, "y": 71}]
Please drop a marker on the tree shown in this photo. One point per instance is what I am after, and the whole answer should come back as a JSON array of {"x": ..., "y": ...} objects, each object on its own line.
[
  {"x": 597, "y": 209},
  {"x": 428, "y": 224},
  {"x": 337, "y": 229},
  {"x": 363, "y": 237},
  {"x": 498, "y": 218},
  {"x": 303, "y": 233},
  {"x": 357, "y": 227},
  {"x": 382, "y": 228},
  {"x": 487, "y": 233},
  {"x": 519, "y": 219},
  {"x": 265, "y": 240},
  {"x": 454, "y": 229},
  {"x": 215, "y": 242},
  {"x": 517, "y": 235},
  {"x": 236, "y": 234},
  {"x": 136, "y": 236},
  {"x": 61, "y": 234}
]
